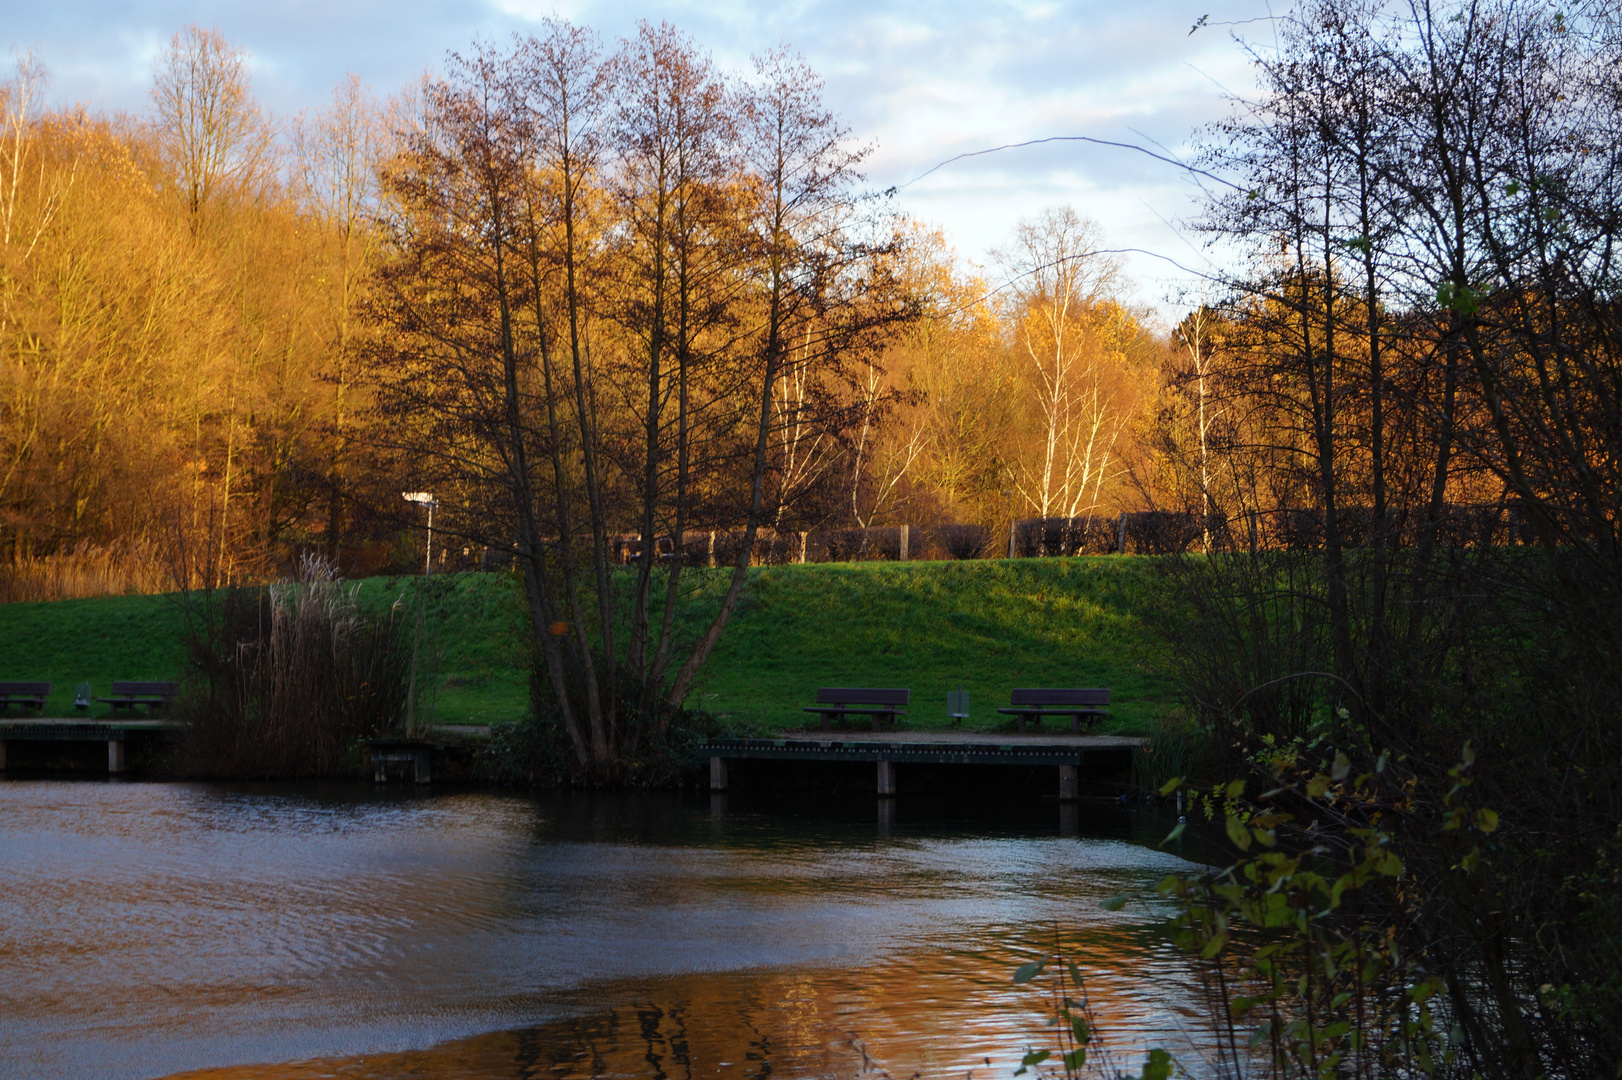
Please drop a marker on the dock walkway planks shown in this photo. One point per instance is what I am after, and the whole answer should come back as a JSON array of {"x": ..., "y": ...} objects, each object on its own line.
[{"x": 887, "y": 749}]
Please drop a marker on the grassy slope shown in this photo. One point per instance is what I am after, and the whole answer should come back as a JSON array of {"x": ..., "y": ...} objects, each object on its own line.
[
  {"x": 989, "y": 625},
  {"x": 474, "y": 624},
  {"x": 107, "y": 638}
]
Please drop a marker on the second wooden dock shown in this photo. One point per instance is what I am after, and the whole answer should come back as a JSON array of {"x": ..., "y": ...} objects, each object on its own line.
[{"x": 889, "y": 749}]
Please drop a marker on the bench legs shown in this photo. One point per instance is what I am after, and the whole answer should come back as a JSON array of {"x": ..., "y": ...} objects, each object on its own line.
[
  {"x": 1036, "y": 718},
  {"x": 877, "y": 717}
]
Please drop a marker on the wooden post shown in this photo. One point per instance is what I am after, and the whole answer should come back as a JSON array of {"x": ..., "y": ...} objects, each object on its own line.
[
  {"x": 421, "y": 765},
  {"x": 1252, "y": 516},
  {"x": 1120, "y": 542},
  {"x": 712, "y": 548},
  {"x": 805, "y": 540},
  {"x": 1012, "y": 525},
  {"x": 115, "y": 755},
  {"x": 718, "y": 774},
  {"x": 886, "y": 779},
  {"x": 2, "y": 755},
  {"x": 1069, "y": 783},
  {"x": 905, "y": 529}
]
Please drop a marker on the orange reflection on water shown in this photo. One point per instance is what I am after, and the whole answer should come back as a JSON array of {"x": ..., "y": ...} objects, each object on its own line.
[{"x": 929, "y": 1013}]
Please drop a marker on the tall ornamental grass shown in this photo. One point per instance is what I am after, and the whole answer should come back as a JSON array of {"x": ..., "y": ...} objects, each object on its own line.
[{"x": 288, "y": 679}]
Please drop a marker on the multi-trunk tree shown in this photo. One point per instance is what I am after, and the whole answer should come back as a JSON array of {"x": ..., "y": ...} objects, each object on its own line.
[{"x": 602, "y": 271}]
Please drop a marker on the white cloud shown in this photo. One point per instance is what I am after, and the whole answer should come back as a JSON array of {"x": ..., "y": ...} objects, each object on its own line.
[{"x": 924, "y": 81}]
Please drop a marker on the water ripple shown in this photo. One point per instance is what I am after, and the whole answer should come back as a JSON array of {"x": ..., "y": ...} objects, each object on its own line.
[{"x": 150, "y": 928}]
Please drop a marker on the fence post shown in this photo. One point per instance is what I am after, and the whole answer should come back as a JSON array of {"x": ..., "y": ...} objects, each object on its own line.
[
  {"x": 1012, "y": 525},
  {"x": 1120, "y": 542},
  {"x": 805, "y": 539},
  {"x": 904, "y": 537}
]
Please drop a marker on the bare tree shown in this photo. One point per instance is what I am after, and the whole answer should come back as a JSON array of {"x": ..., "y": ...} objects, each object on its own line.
[
  {"x": 215, "y": 140},
  {"x": 1058, "y": 279},
  {"x": 20, "y": 107},
  {"x": 338, "y": 154},
  {"x": 594, "y": 288}
]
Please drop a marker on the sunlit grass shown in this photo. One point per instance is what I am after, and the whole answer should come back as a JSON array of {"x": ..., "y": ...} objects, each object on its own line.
[
  {"x": 988, "y": 625},
  {"x": 97, "y": 639}
]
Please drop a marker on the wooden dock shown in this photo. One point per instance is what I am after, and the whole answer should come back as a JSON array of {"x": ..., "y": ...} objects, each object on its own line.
[
  {"x": 115, "y": 733},
  {"x": 889, "y": 749}
]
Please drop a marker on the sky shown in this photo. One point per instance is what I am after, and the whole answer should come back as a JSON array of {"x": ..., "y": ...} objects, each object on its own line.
[{"x": 920, "y": 82}]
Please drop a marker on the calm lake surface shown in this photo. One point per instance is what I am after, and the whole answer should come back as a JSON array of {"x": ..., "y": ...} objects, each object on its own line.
[{"x": 284, "y": 931}]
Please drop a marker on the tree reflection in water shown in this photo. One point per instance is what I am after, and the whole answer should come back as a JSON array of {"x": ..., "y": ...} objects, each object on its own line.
[{"x": 151, "y": 929}]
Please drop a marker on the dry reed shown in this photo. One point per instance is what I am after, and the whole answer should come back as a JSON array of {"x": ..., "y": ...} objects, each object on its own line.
[
  {"x": 289, "y": 678},
  {"x": 117, "y": 569}
]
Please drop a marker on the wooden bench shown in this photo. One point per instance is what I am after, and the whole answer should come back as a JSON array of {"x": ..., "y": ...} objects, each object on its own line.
[
  {"x": 1033, "y": 703},
  {"x": 154, "y": 695},
  {"x": 24, "y": 693},
  {"x": 835, "y": 701}
]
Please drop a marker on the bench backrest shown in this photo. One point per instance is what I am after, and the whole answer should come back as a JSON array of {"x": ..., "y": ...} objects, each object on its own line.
[
  {"x": 1037, "y": 697},
  {"x": 834, "y": 695},
  {"x": 145, "y": 689},
  {"x": 25, "y": 688}
]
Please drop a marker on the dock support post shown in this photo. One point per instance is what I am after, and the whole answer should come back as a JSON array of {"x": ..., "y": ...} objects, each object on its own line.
[
  {"x": 718, "y": 774},
  {"x": 886, "y": 779},
  {"x": 1069, "y": 783},
  {"x": 2, "y": 755},
  {"x": 115, "y": 755},
  {"x": 421, "y": 766}
]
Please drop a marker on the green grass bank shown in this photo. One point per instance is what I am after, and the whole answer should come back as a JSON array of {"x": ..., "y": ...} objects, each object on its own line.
[{"x": 988, "y": 626}]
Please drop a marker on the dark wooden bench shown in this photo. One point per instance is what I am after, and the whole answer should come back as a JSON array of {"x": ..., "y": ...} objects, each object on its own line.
[
  {"x": 24, "y": 693},
  {"x": 835, "y": 701},
  {"x": 154, "y": 695},
  {"x": 1033, "y": 703}
]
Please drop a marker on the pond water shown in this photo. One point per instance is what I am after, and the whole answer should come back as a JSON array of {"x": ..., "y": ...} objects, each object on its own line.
[{"x": 283, "y": 931}]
